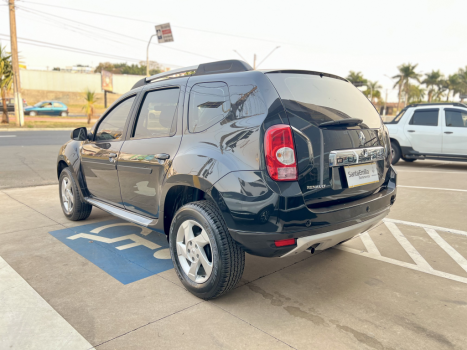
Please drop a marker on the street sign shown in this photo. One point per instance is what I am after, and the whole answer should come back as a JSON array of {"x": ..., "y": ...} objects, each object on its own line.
[
  {"x": 107, "y": 81},
  {"x": 164, "y": 33}
]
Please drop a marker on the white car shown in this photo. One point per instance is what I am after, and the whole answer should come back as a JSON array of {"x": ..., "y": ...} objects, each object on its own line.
[{"x": 429, "y": 131}]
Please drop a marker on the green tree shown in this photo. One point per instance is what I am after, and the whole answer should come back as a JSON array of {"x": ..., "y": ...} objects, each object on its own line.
[
  {"x": 125, "y": 68},
  {"x": 90, "y": 98},
  {"x": 416, "y": 94},
  {"x": 462, "y": 73},
  {"x": 432, "y": 80},
  {"x": 373, "y": 89},
  {"x": 356, "y": 77},
  {"x": 6, "y": 80},
  {"x": 452, "y": 84},
  {"x": 406, "y": 74}
]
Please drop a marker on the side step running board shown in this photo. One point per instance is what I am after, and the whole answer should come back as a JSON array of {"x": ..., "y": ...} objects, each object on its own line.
[{"x": 123, "y": 214}]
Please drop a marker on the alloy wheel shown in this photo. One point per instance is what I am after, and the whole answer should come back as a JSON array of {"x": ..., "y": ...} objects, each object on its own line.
[
  {"x": 67, "y": 195},
  {"x": 194, "y": 251}
]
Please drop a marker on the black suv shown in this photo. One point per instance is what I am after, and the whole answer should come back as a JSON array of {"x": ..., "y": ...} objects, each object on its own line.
[{"x": 224, "y": 159}]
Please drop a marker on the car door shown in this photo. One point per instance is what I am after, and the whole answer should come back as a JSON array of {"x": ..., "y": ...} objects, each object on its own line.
[
  {"x": 455, "y": 131},
  {"x": 57, "y": 108},
  {"x": 151, "y": 145},
  {"x": 423, "y": 130},
  {"x": 45, "y": 108},
  {"x": 99, "y": 155}
]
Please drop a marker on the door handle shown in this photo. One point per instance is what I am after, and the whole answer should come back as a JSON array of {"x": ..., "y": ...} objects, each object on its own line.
[
  {"x": 448, "y": 132},
  {"x": 411, "y": 130},
  {"x": 162, "y": 156},
  {"x": 112, "y": 157}
]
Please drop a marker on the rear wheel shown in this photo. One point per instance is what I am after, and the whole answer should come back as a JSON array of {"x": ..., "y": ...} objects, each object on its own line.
[
  {"x": 63, "y": 114},
  {"x": 73, "y": 205},
  {"x": 208, "y": 261},
  {"x": 396, "y": 152},
  {"x": 32, "y": 114}
]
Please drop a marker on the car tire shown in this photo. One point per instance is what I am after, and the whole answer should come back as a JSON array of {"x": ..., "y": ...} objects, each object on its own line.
[
  {"x": 396, "y": 153},
  {"x": 64, "y": 114},
  {"x": 408, "y": 160},
  {"x": 207, "y": 260},
  {"x": 73, "y": 205},
  {"x": 32, "y": 114}
]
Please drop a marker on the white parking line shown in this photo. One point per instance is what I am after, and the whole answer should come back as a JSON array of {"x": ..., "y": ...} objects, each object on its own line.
[
  {"x": 434, "y": 188},
  {"x": 7, "y": 135},
  {"x": 409, "y": 248},
  {"x": 421, "y": 264},
  {"x": 429, "y": 171},
  {"x": 447, "y": 248},
  {"x": 27, "y": 321}
]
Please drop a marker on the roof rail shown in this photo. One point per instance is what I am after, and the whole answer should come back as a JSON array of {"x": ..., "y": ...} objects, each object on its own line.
[
  {"x": 228, "y": 66},
  {"x": 437, "y": 104}
]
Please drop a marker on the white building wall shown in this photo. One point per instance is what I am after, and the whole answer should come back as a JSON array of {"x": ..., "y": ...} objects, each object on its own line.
[{"x": 73, "y": 82}]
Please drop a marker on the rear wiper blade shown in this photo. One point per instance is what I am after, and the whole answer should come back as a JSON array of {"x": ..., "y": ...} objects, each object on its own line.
[{"x": 348, "y": 121}]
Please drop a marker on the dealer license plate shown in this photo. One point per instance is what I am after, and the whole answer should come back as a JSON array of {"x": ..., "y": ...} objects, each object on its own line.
[{"x": 361, "y": 174}]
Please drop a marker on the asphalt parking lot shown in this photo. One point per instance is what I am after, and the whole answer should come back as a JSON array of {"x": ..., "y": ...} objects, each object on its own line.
[{"x": 105, "y": 284}]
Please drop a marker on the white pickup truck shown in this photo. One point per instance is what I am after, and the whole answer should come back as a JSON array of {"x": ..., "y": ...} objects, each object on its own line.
[{"x": 429, "y": 131}]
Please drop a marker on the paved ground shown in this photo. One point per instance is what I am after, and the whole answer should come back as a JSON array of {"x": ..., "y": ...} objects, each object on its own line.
[
  {"x": 403, "y": 285},
  {"x": 28, "y": 158}
]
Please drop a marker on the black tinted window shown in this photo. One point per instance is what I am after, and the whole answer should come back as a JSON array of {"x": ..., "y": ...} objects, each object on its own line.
[
  {"x": 324, "y": 99},
  {"x": 209, "y": 104},
  {"x": 156, "y": 117},
  {"x": 456, "y": 118},
  {"x": 426, "y": 117},
  {"x": 111, "y": 128}
]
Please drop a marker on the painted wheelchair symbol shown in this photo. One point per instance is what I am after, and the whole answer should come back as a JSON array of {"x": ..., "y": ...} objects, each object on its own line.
[{"x": 137, "y": 240}]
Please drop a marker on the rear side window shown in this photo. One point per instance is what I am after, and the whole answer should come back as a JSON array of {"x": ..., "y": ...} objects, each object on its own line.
[
  {"x": 425, "y": 117},
  {"x": 58, "y": 105},
  {"x": 456, "y": 118},
  {"x": 209, "y": 104},
  {"x": 156, "y": 117},
  {"x": 322, "y": 99},
  {"x": 111, "y": 128}
]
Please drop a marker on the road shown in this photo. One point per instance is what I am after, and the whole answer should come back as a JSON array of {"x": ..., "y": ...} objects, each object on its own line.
[
  {"x": 402, "y": 285},
  {"x": 28, "y": 158}
]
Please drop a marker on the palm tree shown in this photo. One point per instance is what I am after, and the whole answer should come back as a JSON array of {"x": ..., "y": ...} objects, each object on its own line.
[
  {"x": 356, "y": 77},
  {"x": 373, "y": 88},
  {"x": 406, "y": 73},
  {"x": 6, "y": 81},
  {"x": 451, "y": 84},
  {"x": 431, "y": 80},
  {"x": 90, "y": 98},
  {"x": 462, "y": 73},
  {"x": 415, "y": 94}
]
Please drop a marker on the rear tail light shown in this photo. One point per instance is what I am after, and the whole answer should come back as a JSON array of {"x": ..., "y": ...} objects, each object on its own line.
[
  {"x": 284, "y": 242},
  {"x": 279, "y": 150}
]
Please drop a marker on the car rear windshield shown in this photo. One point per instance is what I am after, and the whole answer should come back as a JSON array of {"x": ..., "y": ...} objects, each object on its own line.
[{"x": 324, "y": 98}]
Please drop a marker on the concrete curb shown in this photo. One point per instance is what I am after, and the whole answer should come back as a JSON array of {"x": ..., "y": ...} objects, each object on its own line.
[{"x": 34, "y": 129}]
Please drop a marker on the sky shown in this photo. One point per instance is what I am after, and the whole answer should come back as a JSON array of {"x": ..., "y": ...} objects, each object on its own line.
[{"x": 373, "y": 37}]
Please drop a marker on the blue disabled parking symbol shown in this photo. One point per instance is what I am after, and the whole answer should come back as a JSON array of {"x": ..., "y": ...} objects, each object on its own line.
[{"x": 125, "y": 251}]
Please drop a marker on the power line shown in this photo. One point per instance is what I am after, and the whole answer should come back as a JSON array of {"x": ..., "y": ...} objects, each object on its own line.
[
  {"x": 68, "y": 48},
  {"x": 176, "y": 26},
  {"x": 109, "y": 31}
]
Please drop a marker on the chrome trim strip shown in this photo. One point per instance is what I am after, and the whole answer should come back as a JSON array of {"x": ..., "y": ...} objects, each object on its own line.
[
  {"x": 172, "y": 72},
  {"x": 308, "y": 143},
  {"x": 356, "y": 156},
  {"x": 329, "y": 239},
  {"x": 122, "y": 213}
]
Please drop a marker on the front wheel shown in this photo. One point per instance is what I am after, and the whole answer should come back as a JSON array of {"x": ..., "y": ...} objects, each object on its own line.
[
  {"x": 73, "y": 205},
  {"x": 396, "y": 152},
  {"x": 207, "y": 260}
]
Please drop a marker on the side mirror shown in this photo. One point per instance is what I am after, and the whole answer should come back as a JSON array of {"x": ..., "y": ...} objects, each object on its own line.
[{"x": 79, "y": 134}]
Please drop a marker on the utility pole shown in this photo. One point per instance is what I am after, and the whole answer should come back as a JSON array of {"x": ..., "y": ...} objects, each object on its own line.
[
  {"x": 254, "y": 61},
  {"x": 19, "y": 113},
  {"x": 147, "y": 55},
  {"x": 385, "y": 101}
]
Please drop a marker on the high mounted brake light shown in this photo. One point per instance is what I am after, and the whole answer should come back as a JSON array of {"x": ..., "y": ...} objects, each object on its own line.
[{"x": 279, "y": 150}]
